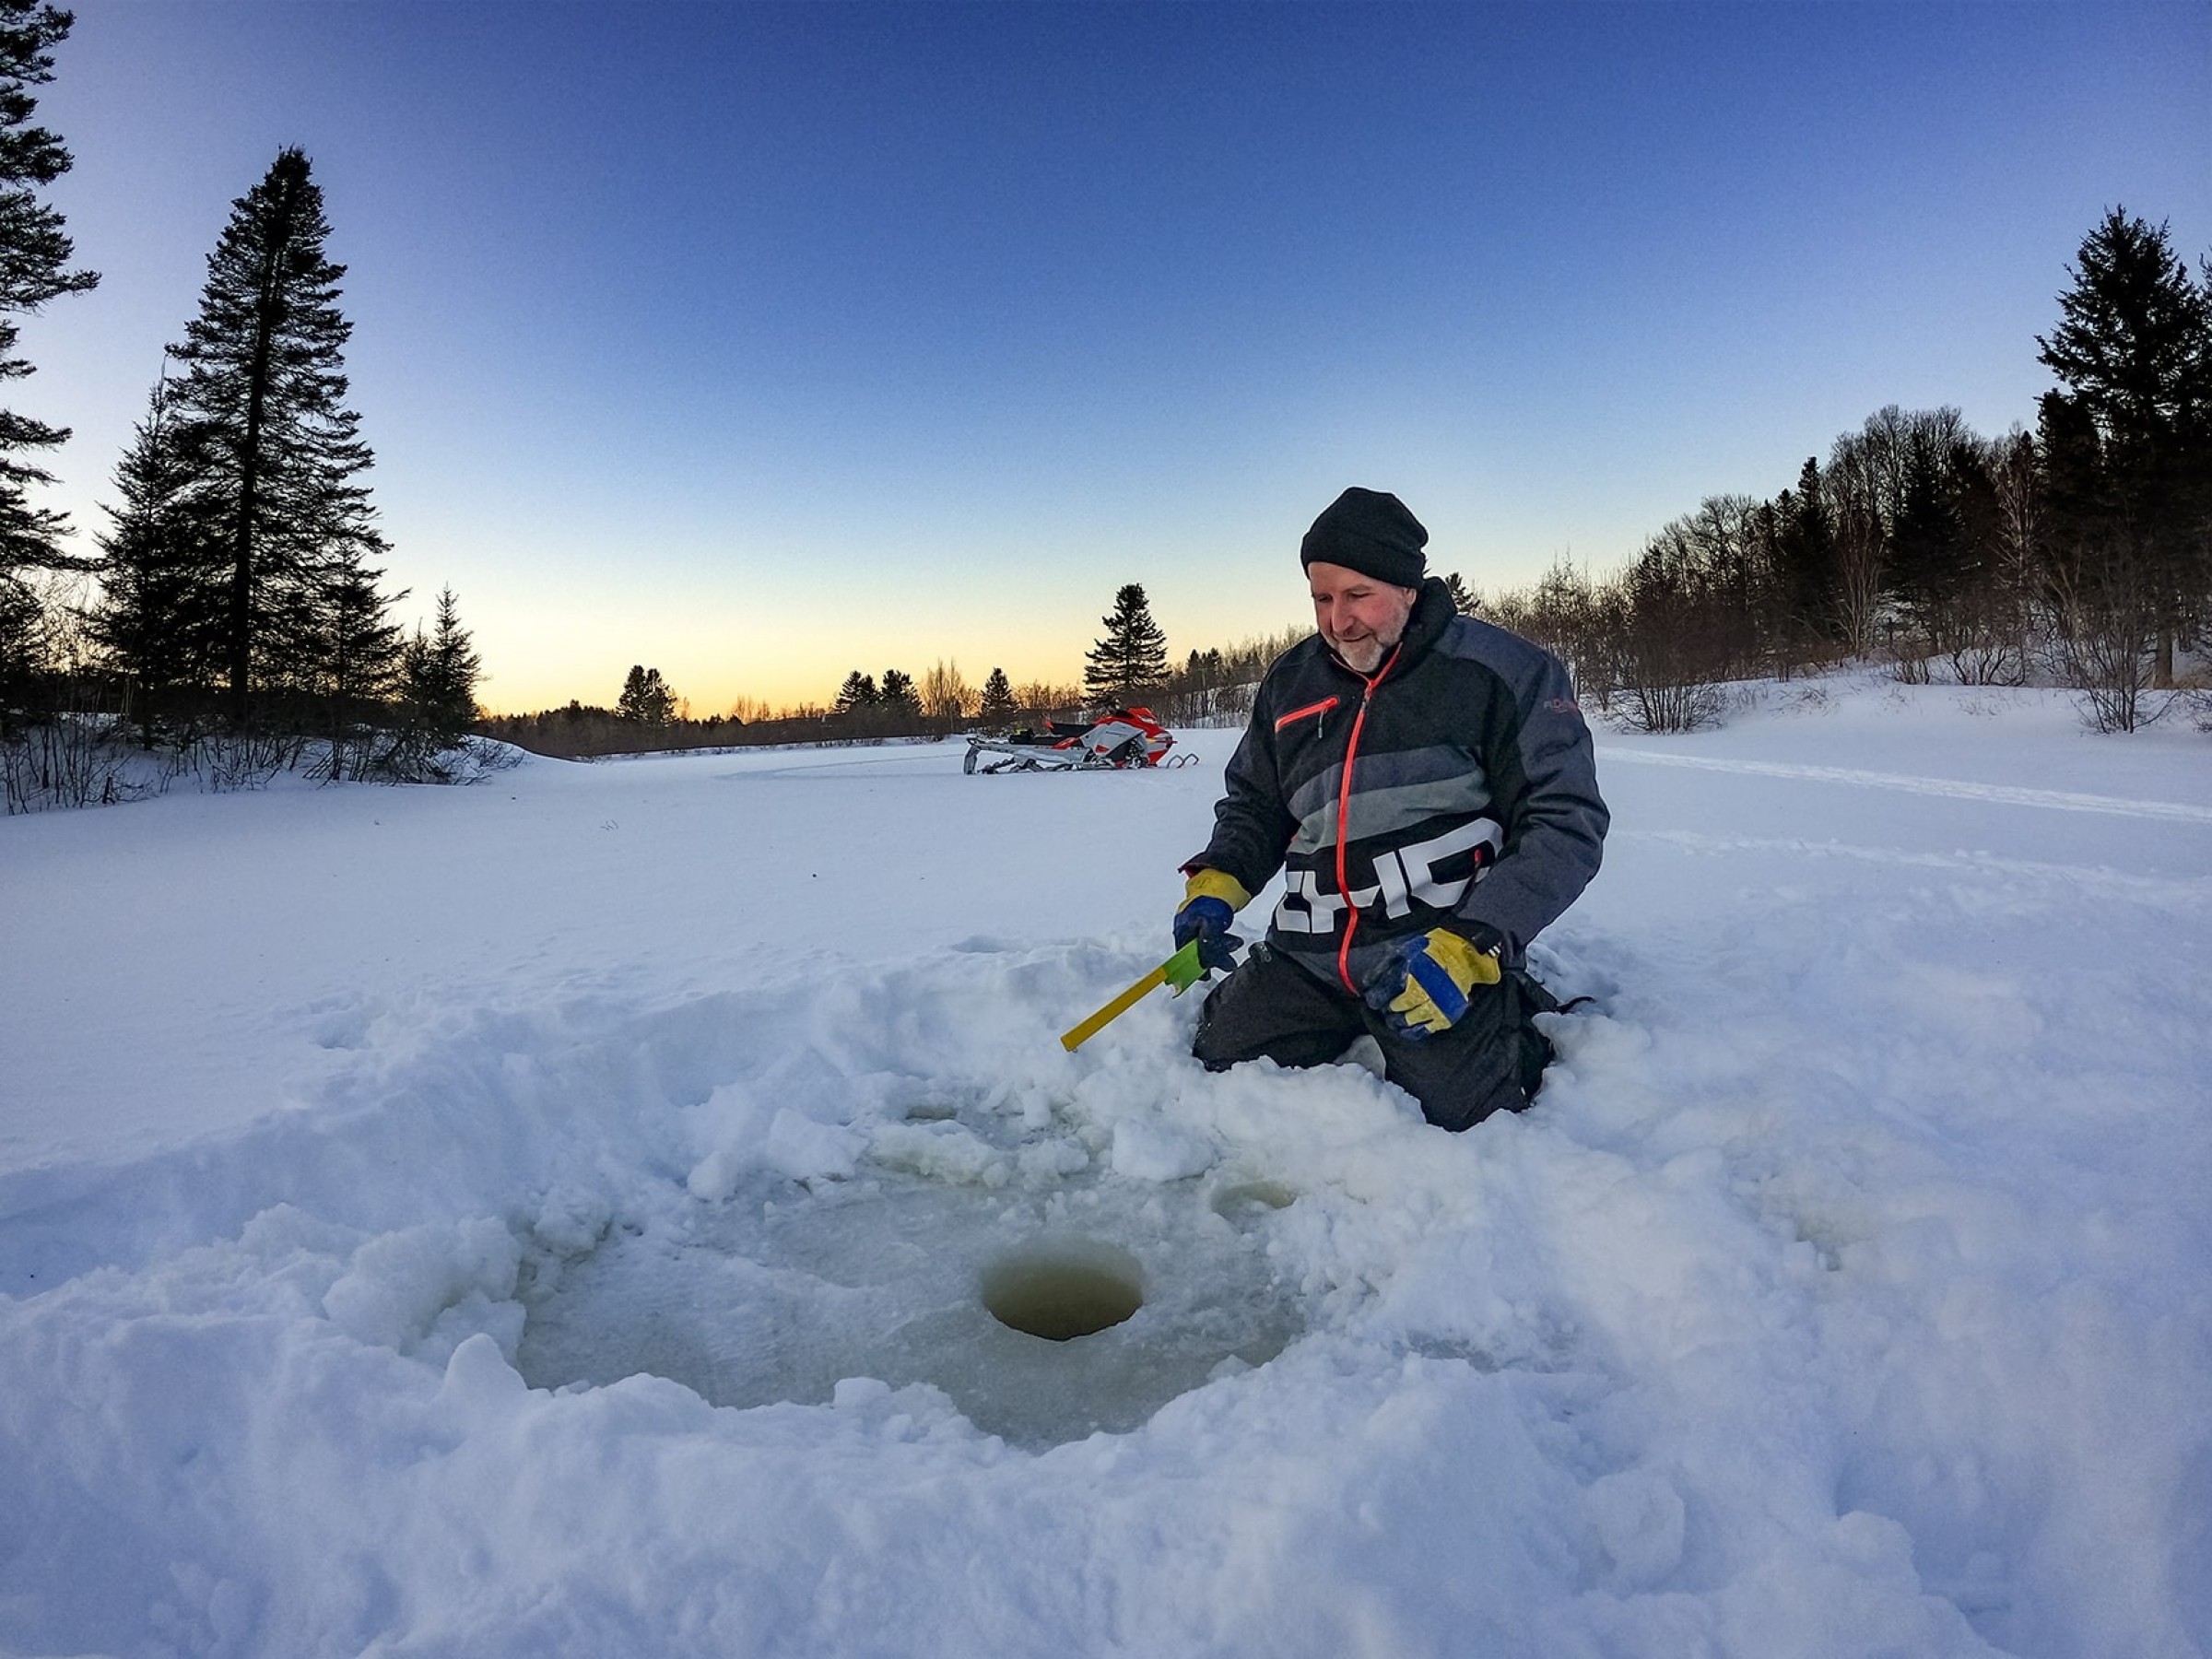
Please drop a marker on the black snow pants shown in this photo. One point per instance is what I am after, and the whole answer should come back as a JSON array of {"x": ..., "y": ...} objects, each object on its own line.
[{"x": 1493, "y": 1059}]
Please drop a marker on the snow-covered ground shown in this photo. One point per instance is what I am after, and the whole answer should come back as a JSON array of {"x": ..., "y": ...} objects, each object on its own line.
[{"x": 548, "y": 1218}]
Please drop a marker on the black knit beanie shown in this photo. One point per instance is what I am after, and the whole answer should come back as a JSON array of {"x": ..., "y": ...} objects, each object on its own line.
[{"x": 1371, "y": 532}]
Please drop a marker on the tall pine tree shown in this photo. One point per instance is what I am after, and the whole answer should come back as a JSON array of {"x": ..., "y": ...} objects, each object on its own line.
[
  {"x": 1805, "y": 556},
  {"x": 899, "y": 695},
  {"x": 275, "y": 455},
  {"x": 34, "y": 256},
  {"x": 440, "y": 671},
  {"x": 2132, "y": 353},
  {"x": 1925, "y": 553},
  {"x": 355, "y": 652},
  {"x": 1130, "y": 662},
  {"x": 646, "y": 697},
  {"x": 857, "y": 695},
  {"x": 159, "y": 616},
  {"x": 999, "y": 707}
]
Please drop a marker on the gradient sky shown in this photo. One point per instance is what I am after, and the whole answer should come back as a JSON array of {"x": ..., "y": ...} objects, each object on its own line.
[{"x": 761, "y": 343}]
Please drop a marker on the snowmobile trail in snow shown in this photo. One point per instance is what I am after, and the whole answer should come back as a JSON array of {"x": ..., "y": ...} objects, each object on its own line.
[
  {"x": 2181, "y": 892},
  {"x": 2004, "y": 794}
]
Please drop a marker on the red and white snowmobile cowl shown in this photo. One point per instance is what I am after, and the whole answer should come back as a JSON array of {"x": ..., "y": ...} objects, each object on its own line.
[
  {"x": 1120, "y": 740},
  {"x": 1128, "y": 737}
]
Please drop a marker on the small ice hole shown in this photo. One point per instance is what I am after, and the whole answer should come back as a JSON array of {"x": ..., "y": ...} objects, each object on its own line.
[{"x": 1062, "y": 1289}]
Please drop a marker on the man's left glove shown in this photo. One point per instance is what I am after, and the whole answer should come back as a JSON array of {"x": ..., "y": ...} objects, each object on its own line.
[
  {"x": 1210, "y": 902},
  {"x": 1424, "y": 988}
]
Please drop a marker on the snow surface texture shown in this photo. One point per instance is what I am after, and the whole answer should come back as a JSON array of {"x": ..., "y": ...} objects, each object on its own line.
[{"x": 547, "y": 1218}]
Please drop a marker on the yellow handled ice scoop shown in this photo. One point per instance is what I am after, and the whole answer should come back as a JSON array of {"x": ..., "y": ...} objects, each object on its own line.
[{"x": 1181, "y": 970}]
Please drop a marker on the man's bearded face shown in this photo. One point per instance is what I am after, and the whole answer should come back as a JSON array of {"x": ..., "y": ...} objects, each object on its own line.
[{"x": 1361, "y": 618}]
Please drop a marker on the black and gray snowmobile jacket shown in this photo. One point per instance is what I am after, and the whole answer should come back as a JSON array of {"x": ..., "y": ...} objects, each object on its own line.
[{"x": 1456, "y": 787}]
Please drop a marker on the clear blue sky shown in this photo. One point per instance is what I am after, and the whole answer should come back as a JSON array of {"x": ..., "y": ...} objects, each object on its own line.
[{"x": 760, "y": 343}]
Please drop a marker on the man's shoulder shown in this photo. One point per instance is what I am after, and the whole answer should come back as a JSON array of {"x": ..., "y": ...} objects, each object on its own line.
[{"x": 1517, "y": 661}]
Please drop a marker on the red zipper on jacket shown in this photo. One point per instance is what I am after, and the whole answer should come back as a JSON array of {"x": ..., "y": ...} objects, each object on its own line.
[
  {"x": 1344, "y": 824},
  {"x": 1322, "y": 707}
]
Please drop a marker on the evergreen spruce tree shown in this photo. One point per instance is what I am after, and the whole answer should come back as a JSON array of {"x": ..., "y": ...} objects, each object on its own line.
[
  {"x": 160, "y": 574},
  {"x": 262, "y": 423},
  {"x": 441, "y": 673},
  {"x": 2074, "y": 487},
  {"x": 1926, "y": 555},
  {"x": 2132, "y": 353},
  {"x": 1130, "y": 662},
  {"x": 999, "y": 707},
  {"x": 857, "y": 695},
  {"x": 1804, "y": 555},
  {"x": 899, "y": 699},
  {"x": 352, "y": 652},
  {"x": 34, "y": 256},
  {"x": 646, "y": 698},
  {"x": 1463, "y": 601}
]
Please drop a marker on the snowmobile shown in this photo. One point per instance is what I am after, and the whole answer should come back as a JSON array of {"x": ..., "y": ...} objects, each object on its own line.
[{"x": 1121, "y": 740}]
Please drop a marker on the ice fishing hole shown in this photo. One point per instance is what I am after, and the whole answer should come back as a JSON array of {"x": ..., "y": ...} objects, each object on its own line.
[
  {"x": 775, "y": 1295},
  {"x": 1063, "y": 1288}
]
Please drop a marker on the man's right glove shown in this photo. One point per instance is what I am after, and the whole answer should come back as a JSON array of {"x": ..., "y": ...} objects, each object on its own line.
[{"x": 1210, "y": 902}]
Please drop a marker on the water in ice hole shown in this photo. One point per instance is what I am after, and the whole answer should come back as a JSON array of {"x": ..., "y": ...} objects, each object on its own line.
[
  {"x": 1137, "y": 1293},
  {"x": 1063, "y": 1288}
]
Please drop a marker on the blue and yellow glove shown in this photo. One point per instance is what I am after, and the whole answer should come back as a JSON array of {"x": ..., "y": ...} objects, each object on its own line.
[
  {"x": 1425, "y": 987},
  {"x": 1210, "y": 902}
]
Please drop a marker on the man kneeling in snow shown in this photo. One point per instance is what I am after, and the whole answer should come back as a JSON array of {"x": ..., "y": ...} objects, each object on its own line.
[{"x": 1426, "y": 783}]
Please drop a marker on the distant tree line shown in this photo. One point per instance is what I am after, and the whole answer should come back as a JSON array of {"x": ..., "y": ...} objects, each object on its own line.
[
  {"x": 868, "y": 708},
  {"x": 2081, "y": 550},
  {"x": 236, "y": 615}
]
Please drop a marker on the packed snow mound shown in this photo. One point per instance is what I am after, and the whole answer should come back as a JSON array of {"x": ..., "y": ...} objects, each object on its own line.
[{"x": 585, "y": 1242}]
